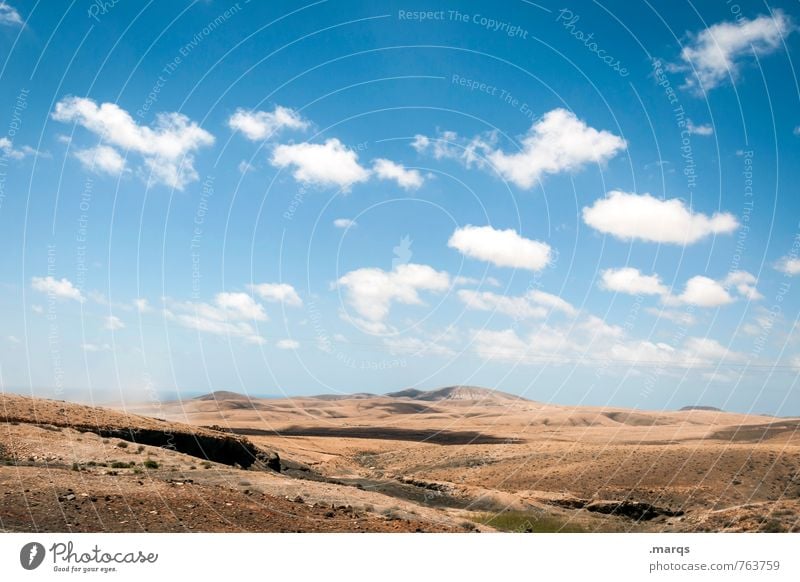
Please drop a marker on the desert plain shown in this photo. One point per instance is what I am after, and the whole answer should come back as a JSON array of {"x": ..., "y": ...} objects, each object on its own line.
[{"x": 456, "y": 459}]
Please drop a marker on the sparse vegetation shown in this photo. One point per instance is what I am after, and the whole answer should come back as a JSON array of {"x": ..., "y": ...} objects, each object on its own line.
[
  {"x": 120, "y": 465},
  {"x": 150, "y": 464},
  {"x": 526, "y": 522}
]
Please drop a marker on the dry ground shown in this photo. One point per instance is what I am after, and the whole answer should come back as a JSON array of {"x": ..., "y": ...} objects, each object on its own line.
[{"x": 431, "y": 462}]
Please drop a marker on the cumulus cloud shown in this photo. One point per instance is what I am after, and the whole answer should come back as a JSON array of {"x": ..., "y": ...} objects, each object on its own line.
[
  {"x": 277, "y": 293},
  {"x": 679, "y": 317},
  {"x": 702, "y": 292},
  {"x": 558, "y": 142},
  {"x": 717, "y": 52},
  {"x": 504, "y": 248},
  {"x": 629, "y": 216},
  {"x": 788, "y": 266},
  {"x": 632, "y": 281},
  {"x": 113, "y": 323},
  {"x": 167, "y": 148},
  {"x": 744, "y": 283},
  {"x": 389, "y": 170},
  {"x": 9, "y": 15},
  {"x": 287, "y": 344},
  {"x": 228, "y": 316},
  {"x": 593, "y": 341},
  {"x": 326, "y": 164},
  {"x": 8, "y": 150},
  {"x": 260, "y": 125},
  {"x": 240, "y": 306},
  {"x": 533, "y": 305},
  {"x": 101, "y": 159},
  {"x": 704, "y": 130},
  {"x": 344, "y": 223},
  {"x": 62, "y": 289},
  {"x": 142, "y": 305},
  {"x": 371, "y": 291}
]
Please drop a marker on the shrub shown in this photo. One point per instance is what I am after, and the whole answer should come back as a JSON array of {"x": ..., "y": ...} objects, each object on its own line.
[
  {"x": 119, "y": 465},
  {"x": 122, "y": 445},
  {"x": 150, "y": 464},
  {"x": 526, "y": 522}
]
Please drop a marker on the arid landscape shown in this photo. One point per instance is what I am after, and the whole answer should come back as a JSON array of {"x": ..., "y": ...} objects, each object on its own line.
[{"x": 457, "y": 459}]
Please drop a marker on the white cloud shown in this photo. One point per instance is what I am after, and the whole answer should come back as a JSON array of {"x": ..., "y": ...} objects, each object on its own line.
[
  {"x": 516, "y": 307},
  {"x": 327, "y": 164},
  {"x": 552, "y": 301},
  {"x": 260, "y": 125},
  {"x": 167, "y": 148},
  {"x": 462, "y": 281},
  {"x": 9, "y": 15},
  {"x": 142, "y": 305},
  {"x": 504, "y": 248},
  {"x": 593, "y": 342},
  {"x": 744, "y": 283},
  {"x": 699, "y": 290},
  {"x": 113, "y": 323},
  {"x": 37, "y": 309},
  {"x": 344, "y": 223},
  {"x": 679, "y": 317},
  {"x": 558, "y": 142},
  {"x": 789, "y": 266},
  {"x": 389, "y": 170},
  {"x": 9, "y": 151},
  {"x": 632, "y": 281},
  {"x": 287, "y": 344},
  {"x": 277, "y": 293},
  {"x": 371, "y": 291},
  {"x": 534, "y": 304},
  {"x": 630, "y": 216},
  {"x": 245, "y": 166},
  {"x": 703, "y": 292},
  {"x": 63, "y": 289},
  {"x": 13, "y": 339},
  {"x": 240, "y": 306},
  {"x": 718, "y": 51},
  {"x": 101, "y": 159},
  {"x": 227, "y": 316},
  {"x": 704, "y": 130}
]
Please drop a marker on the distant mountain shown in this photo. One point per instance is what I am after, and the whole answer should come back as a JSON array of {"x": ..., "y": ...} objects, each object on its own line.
[
  {"x": 711, "y": 408},
  {"x": 223, "y": 395},
  {"x": 455, "y": 393}
]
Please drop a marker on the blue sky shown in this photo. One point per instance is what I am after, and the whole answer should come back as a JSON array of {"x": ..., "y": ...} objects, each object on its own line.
[{"x": 585, "y": 204}]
